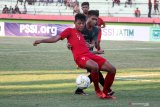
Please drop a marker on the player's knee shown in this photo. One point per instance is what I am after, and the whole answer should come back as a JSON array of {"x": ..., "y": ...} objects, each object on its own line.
[
  {"x": 113, "y": 70},
  {"x": 92, "y": 66}
]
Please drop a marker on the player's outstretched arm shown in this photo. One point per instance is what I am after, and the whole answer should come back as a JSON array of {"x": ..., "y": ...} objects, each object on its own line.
[{"x": 49, "y": 40}]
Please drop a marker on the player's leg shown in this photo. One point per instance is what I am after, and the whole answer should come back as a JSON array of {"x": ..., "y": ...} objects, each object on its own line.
[
  {"x": 87, "y": 63},
  {"x": 109, "y": 77},
  {"x": 101, "y": 81},
  {"x": 94, "y": 68},
  {"x": 101, "y": 78},
  {"x": 104, "y": 65}
]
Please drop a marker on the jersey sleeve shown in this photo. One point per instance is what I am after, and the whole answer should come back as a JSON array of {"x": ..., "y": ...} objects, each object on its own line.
[
  {"x": 66, "y": 33},
  {"x": 100, "y": 22}
]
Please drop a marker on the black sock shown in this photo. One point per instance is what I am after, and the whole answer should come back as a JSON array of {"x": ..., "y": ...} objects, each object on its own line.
[
  {"x": 101, "y": 79},
  {"x": 90, "y": 78}
]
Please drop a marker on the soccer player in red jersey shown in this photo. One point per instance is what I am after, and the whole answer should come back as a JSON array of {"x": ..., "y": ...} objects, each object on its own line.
[
  {"x": 90, "y": 33},
  {"x": 84, "y": 58}
]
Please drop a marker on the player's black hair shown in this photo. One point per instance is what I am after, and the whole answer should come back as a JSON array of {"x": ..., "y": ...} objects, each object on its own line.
[
  {"x": 93, "y": 12},
  {"x": 80, "y": 16},
  {"x": 85, "y": 3},
  {"x": 97, "y": 12}
]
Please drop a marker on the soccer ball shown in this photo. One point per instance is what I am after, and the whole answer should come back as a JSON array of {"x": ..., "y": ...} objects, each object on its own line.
[{"x": 82, "y": 82}]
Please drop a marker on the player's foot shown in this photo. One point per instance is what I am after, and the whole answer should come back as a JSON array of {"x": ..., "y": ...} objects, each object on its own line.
[
  {"x": 100, "y": 94},
  {"x": 110, "y": 92},
  {"x": 80, "y": 92}
]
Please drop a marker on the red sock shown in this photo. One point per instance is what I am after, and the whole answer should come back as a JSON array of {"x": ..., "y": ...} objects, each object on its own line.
[
  {"x": 95, "y": 79},
  {"x": 108, "y": 82}
]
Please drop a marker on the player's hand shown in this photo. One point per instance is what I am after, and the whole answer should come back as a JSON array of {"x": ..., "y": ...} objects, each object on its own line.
[
  {"x": 100, "y": 52},
  {"x": 36, "y": 42},
  {"x": 69, "y": 46},
  {"x": 99, "y": 28}
]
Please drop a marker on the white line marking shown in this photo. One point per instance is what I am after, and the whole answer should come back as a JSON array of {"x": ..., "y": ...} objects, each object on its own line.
[
  {"x": 134, "y": 49},
  {"x": 144, "y": 75},
  {"x": 134, "y": 77}
]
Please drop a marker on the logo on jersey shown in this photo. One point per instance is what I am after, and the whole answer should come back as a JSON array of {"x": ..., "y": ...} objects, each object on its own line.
[
  {"x": 78, "y": 36},
  {"x": 83, "y": 58}
]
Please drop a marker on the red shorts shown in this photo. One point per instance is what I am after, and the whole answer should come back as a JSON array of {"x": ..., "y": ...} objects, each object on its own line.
[
  {"x": 81, "y": 60},
  {"x": 99, "y": 35}
]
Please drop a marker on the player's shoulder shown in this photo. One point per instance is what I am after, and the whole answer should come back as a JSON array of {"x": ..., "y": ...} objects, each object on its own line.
[
  {"x": 100, "y": 19},
  {"x": 70, "y": 30}
]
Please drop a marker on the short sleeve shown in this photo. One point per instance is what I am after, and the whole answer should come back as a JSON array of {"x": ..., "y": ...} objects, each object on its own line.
[
  {"x": 65, "y": 33},
  {"x": 100, "y": 22}
]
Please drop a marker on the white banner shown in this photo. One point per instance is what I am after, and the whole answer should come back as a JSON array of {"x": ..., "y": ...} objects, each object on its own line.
[
  {"x": 135, "y": 33},
  {"x": 2, "y": 29}
]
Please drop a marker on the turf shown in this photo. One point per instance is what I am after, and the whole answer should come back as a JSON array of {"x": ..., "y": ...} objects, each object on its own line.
[{"x": 44, "y": 76}]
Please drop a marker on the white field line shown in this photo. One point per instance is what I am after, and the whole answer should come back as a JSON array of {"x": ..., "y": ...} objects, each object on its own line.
[
  {"x": 142, "y": 75},
  {"x": 134, "y": 77},
  {"x": 134, "y": 49}
]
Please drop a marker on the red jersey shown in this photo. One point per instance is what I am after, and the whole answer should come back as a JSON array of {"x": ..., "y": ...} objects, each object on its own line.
[
  {"x": 100, "y": 22},
  {"x": 76, "y": 39}
]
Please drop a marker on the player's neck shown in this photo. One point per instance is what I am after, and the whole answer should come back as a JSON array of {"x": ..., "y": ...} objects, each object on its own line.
[
  {"x": 89, "y": 27},
  {"x": 77, "y": 30}
]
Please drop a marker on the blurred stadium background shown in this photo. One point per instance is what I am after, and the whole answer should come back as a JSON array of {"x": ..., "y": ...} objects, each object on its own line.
[{"x": 58, "y": 7}]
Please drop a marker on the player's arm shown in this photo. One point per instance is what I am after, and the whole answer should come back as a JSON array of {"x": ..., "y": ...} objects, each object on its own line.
[
  {"x": 103, "y": 24},
  {"x": 92, "y": 44},
  {"x": 69, "y": 46},
  {"x": 49, "y": 40},
  {"x": 54, "y": 39},
  {"x": 95, "y": 39}
]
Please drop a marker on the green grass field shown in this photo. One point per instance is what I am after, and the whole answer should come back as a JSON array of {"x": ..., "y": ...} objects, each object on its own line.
[{"x": 44, "y": 76}]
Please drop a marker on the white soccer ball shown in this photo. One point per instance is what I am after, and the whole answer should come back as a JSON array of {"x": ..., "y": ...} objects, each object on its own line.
[{"x": 82, "y": 82}]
